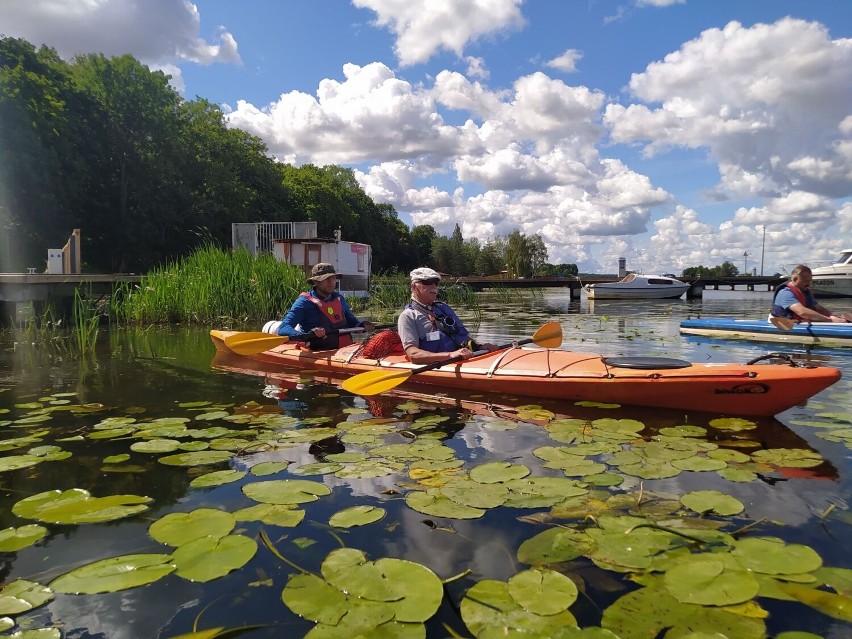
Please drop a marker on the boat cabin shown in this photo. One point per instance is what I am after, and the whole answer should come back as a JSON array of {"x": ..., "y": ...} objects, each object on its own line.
[{"x": 296, "y": 243}]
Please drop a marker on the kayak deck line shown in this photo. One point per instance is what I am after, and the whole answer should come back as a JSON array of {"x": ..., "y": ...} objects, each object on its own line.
[{"x": 764, "y": 389}]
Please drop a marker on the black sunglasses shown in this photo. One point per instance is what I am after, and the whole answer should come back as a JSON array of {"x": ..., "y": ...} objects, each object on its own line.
[{"x": 431, "y": 280}]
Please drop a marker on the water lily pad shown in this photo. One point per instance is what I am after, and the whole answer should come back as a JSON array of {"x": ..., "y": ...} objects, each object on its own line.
[
  {"x": 703, "y": 580},
  {"x": 13, "y": 539},
  {"x": 207, "y": 558},
  {"x": 269, "y": 468},
  {"x": 155, "y": 446},
  {"x": 435, "y": 504},
  {"x": 113, "y": 574},
  {"x": 356, "y": 516},
  {"x": 177, "y": 529},
  {"x": 285, "y": 491},
  {"x": 788, "y": 457},
  {"x": 475, "y": 494},
  {"x": 704, "y": 501},
  {"x": 498, "y": 472},
  {"x": 116, "y": 459},
  {"x": 77, "y": 506},
  {"x": 828, "y": 603},
  {"x": 555, "y": 545},
  {"x": 16, "y": 462},
  {"x": 733, "y": 424},
  {"x": 771, "y": 556},
  {"x": 648, "y": 612},
  {"x": 699, "y": 464},
  {"x": 201, "y": 458},
  {"x": 318, "y": 468},
  {"x": 217, "y": 478},
  {"x": 543, "y": 592},
  {"x": 315, "y": 599},
  {"x": 22, "y": 595},
  {"x": 537, "y": 492},
  {"x": 285, "y": 515},
  {"x": 489, "y": 605}
]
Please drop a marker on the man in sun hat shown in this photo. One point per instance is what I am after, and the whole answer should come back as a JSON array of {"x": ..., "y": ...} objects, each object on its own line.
[
  {"x": 322, "y": 311},
  {"x": 430, "y": 331}
]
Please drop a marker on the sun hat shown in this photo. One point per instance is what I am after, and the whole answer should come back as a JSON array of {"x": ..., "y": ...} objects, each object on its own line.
[
  {"x": 321, "y": 271},
  {"x": 423, "y": 274}
]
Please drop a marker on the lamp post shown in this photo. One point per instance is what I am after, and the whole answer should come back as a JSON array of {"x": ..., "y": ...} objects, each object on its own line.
[
  {"x": 762, "y": 250},
  {"x": 745, "y": 262}
]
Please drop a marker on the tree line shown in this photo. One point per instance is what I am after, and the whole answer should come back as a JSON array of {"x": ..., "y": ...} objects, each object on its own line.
[{"x": 106, "y": 145}]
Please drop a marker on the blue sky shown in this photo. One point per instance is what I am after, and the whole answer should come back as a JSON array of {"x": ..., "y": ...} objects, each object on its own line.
[{"x": 668, "y": 132}]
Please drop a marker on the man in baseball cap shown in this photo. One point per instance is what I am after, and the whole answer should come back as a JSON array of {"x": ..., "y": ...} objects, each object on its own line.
[
  {"x": 321, "y": 313},
  {"x": 430, "y": 331}
]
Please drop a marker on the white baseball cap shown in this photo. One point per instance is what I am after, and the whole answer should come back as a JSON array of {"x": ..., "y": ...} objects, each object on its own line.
[{"x": 424, "y": 273}]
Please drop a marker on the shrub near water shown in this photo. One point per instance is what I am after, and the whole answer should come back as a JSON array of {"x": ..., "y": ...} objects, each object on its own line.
[{"x": 212, "y": 286}]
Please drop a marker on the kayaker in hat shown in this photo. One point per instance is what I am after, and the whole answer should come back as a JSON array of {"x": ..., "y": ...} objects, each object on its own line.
[
  {"x": 794, "y": 300},
  {"x": 320, "y": 310},
  {"x": 430, "y": 331}
]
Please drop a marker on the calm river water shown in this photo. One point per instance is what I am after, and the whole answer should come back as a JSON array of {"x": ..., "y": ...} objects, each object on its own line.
[{"x": 117, "y": 424}]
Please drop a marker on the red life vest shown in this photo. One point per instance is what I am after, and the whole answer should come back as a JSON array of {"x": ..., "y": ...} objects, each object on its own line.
[
  {"x": 332, "y": 312},
  {"x": 799, "y": 296}
]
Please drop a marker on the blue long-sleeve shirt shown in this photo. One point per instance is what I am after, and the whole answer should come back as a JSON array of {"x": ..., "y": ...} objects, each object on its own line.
[{"x": 306, "y": 315}]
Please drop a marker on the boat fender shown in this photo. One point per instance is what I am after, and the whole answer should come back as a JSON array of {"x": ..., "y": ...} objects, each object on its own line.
[
  {"x": 646, "y": 363},
  {"x": 271, "y": 327}
]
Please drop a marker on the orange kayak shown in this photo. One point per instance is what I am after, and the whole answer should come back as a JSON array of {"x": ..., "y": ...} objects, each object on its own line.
[{"x": 760, "y": 389}]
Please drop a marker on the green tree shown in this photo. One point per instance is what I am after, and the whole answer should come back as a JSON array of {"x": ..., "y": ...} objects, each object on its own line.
[{"x": 422, "y": 237}]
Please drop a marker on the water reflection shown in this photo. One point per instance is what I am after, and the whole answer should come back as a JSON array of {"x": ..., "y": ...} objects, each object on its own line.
[{"x": 147, "y": 375}]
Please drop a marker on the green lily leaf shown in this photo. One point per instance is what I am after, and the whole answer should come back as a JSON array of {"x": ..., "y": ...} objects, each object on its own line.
[
  {"x": 828, "y": 603},
  {"x": 474, "y": 494},
  {"x": 314, "y": 598},
  {"x": 268, "y": 468},
  {"x": 155, "y": 446},
  {"x": 489, "y": 605},
  {"x": 555, "y": 545},
  {"x": 498, "y": 472},
  {"x": 733, "y": 424},
  {"x": 356, "y": 516},
  {"x": 77, "y": 506},
  {"x": 285, "y": 515},
  {"x": 318, "y": 468},
  {"x": 703, "y": 501},
  {"x": 207, "y": 558},
  {"x": 543, "y": 592},
  {"x": 771, "y": 556},
  {"x": 177, "y": 529},
  {"x": 113, "y": 574},
  {"x": 200, "y": 458},
  {"x": 434, "y": 503},
  {"x": 788, "y": 457},
  {"x": 13, "y": 539},
  {"x": 22, "y": 595},
  {"x": 703, "y": 580},
  {"x": 285, "y": 491},
  {"x": 217, "y": 478}
]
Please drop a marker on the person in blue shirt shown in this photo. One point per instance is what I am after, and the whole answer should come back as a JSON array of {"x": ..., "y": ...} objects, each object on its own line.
[
  {"x": 322, "y": 311},
  {"x": 794, "y": 300}
]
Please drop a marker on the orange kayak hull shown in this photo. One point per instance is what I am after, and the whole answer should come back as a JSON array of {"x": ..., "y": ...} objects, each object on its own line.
[{"x": 722, "y": 388}]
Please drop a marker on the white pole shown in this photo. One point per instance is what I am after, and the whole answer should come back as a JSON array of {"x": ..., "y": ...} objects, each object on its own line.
[{"x": 762, "y": 250}]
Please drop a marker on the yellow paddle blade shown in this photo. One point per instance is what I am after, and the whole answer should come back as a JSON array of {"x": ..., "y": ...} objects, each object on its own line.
[
  {"x": 251, "y": 343},
  {"x": 783, "y": 323},
  {"x": 549, "y": 335},
  {"x": 374, "y": 382}
]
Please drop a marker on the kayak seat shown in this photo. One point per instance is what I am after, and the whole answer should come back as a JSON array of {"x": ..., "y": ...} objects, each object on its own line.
[{"x": 646, "y": 363}]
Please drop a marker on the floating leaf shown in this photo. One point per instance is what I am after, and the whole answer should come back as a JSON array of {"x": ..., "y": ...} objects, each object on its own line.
[
  {"x": 555, "y": 545},
  {"x": 217, "y": 478},
  {"x": 498, "y": 472},
  {"x": 285, "y": 515},
  {"x": 207, "y": 558},
  {"x": 435, "y": 504},
  {"x": 268, "y": 468},
  {"x": 14, "y": 539},
  {"x": 543, "y": 592},
  {"x": 285, "y": 491},
  {"x": 788, "y": 457},
  {"x": 116, "y": 573},
  {"x": 703, "y": 501},
  {"x": 828, "y": 603},
  {"x": 733, "y": 424},
  {"x": 22, "y": 595},
  {"x": 314, "y": 598},
  {"x": 703, "y": 580},
  {"x": 318, "y": 468},
  {"x": 474, "y": 494},
  {"x": 77, "y": 506},
  {"x": 356, "y": 516},
  {"x": 200, "y": 458},
  {"x": 771, "y": 556},
  {"x": 177, "y": 529}
]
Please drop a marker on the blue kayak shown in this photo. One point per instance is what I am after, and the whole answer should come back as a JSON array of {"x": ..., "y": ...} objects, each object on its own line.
[{"x": 816, "y": 334}]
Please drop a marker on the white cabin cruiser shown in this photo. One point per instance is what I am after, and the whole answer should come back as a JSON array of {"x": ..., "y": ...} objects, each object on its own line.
[
  {"x": 834, "y": 280},
  {"x": 638, "y": 287}
]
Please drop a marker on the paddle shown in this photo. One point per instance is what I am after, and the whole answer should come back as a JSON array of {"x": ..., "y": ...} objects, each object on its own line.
[
  {"x": 254, "y": 342},
  {"x": 374, "y": 382}
]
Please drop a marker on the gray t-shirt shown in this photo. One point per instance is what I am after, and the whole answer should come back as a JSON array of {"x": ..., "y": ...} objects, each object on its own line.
[{"x": 414, "y": 325}]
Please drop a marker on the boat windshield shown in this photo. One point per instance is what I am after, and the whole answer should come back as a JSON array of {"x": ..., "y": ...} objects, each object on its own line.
[{"x": 845, "y": 258}]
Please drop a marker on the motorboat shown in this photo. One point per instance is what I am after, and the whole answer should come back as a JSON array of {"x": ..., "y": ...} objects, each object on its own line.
[
  {"x": 834, "y": 280},
  {"x": 638, "y": 287}
]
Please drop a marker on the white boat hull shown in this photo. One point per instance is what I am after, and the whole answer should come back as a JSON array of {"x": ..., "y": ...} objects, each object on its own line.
[
  {"x": 834, "y": 280},
  {"x": 638, "y": 287}
]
